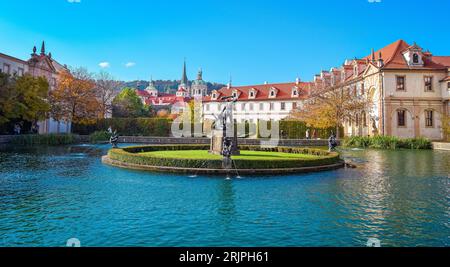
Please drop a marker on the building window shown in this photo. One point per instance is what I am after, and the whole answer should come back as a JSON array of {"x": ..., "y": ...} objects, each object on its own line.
[
  {"x": 401, "y": 114},
  {"x": 251, "y": 106},
  {"x": 362, "y": 89},
  {"x": 283, "y": 106},
  {"x": 294, "y": 105},
  {"x": 357, "y": 120},
  {"x": 6, "y": 68},
  {"x": 400, "y": 83},
  {"x": 294, "y": 92},
  {"x": 271, "y": 106},
  {"x": 243, "y": 106},
  {"x": 428, "y": 118},
  {"x": 261, "y": 106},
  {"x": 428, "y": 83},
  {"x": 364, "y": 119},
  {"x": 214, "y": 96},
  {"x": 252, "y": 94},
  {"x": 415, "y": 58},
  {"x": 20, "y": 71},
  {"x": 207, "y": 107}
]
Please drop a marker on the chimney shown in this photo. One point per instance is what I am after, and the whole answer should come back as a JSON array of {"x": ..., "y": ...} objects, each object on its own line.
[
  {"x": 266, "y": 82},
  {"x": 297, "y": 81}
]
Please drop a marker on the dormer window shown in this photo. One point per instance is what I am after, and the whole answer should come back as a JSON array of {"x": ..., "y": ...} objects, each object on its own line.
[
  {"x": 416, "y": 58},
  {"x": 413, "y": 56},
  {"x": 252, "y": 93},
  {"x": 294, "y": 92},
  {"x": 273, "y": 92}
]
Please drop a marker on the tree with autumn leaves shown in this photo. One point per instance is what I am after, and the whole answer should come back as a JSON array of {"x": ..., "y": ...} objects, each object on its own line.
[
  {"x": 331, "y": 108},
  {"x": 75, "y": 98}
]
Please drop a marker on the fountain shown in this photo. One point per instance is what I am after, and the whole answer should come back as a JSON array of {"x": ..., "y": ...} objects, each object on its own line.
[
  {"x": 223, "y": 155},
  {"x": 224, "y": 139}
]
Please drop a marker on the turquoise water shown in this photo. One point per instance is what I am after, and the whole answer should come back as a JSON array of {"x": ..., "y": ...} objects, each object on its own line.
[{"x": 48, "y": 195}]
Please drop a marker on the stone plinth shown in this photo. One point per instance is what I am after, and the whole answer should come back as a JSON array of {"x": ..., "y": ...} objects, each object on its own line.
[{"x": 217, "y": 143}]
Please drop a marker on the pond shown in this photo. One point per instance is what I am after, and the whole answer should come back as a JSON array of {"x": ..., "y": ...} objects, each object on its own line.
[{"x": 51, "y": 194}]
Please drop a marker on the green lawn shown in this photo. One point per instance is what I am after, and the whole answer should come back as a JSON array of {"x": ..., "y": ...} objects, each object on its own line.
[{"x": 246, "y": 155}]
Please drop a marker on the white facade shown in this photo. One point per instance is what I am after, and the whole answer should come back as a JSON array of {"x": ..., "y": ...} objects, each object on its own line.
[
  {"x": 257, "y": 102},
  {"x": 252, "y": 111}
]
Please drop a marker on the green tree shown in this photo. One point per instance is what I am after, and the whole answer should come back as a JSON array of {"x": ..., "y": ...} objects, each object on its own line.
[
  {"x": 127, "y": 104},
  {"x": 23, "y": 98}
]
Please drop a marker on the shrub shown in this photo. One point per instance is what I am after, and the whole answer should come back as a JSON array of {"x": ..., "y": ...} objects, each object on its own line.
[
  {"x": 99, "y": 136},
  {"x": 45, "y": 139},
  {"x": 387, "y": 142},
  {"x": 132, "y": 155},
  {"x": 128, "y": 126}
]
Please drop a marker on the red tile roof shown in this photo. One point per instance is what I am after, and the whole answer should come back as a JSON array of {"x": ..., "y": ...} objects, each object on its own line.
[
  {"x": 284, "y": 92},
  {"x": 392, "y": 56},
  {"x": 442, "y": 60}
]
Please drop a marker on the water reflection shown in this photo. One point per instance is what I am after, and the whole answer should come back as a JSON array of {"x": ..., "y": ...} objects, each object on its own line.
[{"x": 50, "y": 194}]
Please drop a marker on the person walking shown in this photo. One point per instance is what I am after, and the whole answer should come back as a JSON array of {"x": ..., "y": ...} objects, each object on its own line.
[{"x": 307, "y": 134}]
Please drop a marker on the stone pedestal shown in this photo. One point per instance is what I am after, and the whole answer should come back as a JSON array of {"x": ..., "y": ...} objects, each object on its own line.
[{"x": 217, "y": 143}]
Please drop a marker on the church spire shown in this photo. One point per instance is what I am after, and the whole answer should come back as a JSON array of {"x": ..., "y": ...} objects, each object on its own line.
[
  {"x": 43, "y": 48},
  {"x": 200, "y": 74},
  {"x": 184, "y": 79}
]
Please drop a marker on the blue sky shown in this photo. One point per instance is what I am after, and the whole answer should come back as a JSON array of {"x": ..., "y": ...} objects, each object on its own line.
[{"x": 251, "y": 40}]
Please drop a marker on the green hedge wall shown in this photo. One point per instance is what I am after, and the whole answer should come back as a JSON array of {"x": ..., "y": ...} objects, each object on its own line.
[
  {"x": 128, "y": 126},
  {"x": 162, "y": 128},
  {"x": 132, "y": 155}
]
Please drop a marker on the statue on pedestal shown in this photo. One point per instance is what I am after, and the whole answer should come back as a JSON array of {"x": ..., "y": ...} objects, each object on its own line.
[{"x": 224, "y": 139}]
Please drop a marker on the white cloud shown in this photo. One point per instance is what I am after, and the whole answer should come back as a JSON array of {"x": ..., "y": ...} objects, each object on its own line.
[
  {"x": 130, "y": 64},
  {"x": 74, "y": 1},
  {"x": 104, "y": 65}
]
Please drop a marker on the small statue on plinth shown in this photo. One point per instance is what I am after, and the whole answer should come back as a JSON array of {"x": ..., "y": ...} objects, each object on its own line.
[
  {"x": 114, "y": 139},
  {"x": 223, "y": 129}
]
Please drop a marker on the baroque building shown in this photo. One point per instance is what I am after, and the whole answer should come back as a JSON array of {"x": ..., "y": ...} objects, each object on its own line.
[
  {"x": 39, "y": 65},
  {"x": 257, "y": 102},
  {"x": 409, "y": 89}
]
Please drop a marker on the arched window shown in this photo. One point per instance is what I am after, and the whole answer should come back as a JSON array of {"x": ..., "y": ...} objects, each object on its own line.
[
  {"x": 401, "y": 118},
  {"x": 415, "y": 58}
]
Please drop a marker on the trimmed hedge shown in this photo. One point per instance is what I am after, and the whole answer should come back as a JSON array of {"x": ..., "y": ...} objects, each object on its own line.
[
  {"x": 387, "y": 142},
  {"x": 132, "y": 155},
  {"x": 99, "y": 136},
  {"x": 161, "y": 127},
  {"x": 45, "y": 139},
  {"x": 128, "y": 126}
]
